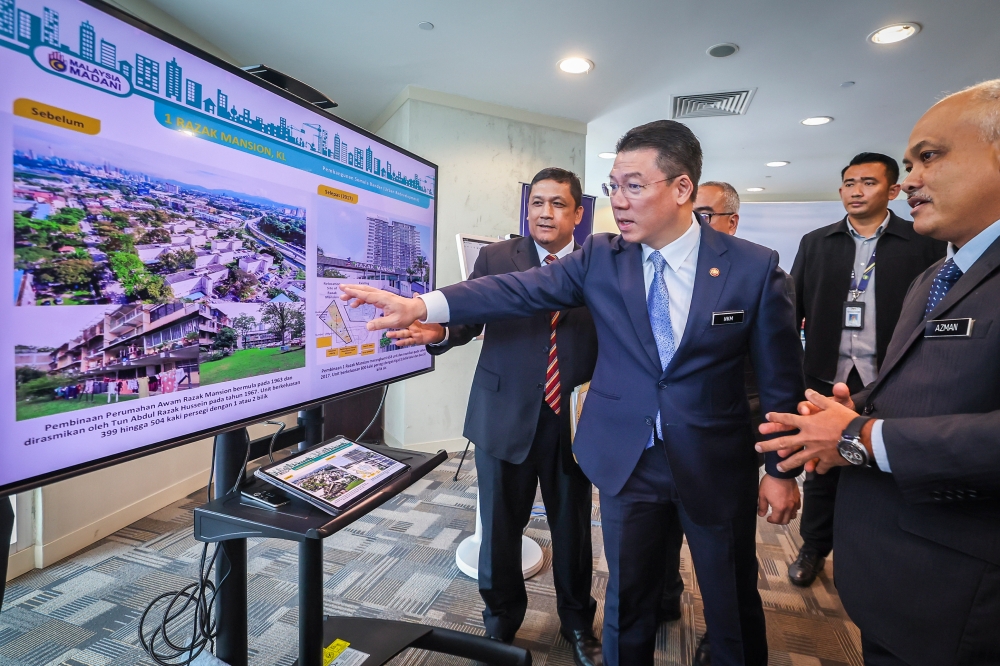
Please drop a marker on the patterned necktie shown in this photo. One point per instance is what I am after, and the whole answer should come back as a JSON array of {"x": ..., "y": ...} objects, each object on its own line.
[
  {"x": 945, "y": 279},
  {"x": 552, "y": 386},
  {"x": 658, "y": 304}
]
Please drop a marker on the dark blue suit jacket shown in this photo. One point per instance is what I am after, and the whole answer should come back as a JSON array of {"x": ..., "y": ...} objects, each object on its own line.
[
  {"x": 701, "y": 395},
  {"x": 507, "y": 390}
]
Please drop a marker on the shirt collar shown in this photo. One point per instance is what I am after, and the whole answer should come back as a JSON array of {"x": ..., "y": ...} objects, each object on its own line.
[
  {"x": 542, "y": 252},
  {"x": 971, "y": 251},
  {"x": 680, "y": 249},
  {"x": 878, "y": 232}
]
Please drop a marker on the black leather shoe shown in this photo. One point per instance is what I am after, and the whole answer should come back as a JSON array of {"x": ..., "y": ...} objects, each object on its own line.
[
  {"x": 806, "y": 567},
  {"x": 703, "y": 655},
  {"x": 669, "y": 611},
  {"x": 586, "y": 647}
]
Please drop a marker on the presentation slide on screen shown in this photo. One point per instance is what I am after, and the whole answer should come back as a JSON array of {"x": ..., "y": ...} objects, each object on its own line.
[{"x": 177, "y": 237}]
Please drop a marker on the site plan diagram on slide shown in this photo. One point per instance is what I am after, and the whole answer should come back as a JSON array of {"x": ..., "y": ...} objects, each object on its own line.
[{"x": 341, "y": 331}]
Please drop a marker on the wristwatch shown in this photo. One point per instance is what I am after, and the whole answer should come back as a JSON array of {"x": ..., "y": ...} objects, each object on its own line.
[{"x": 850, "y": 445}]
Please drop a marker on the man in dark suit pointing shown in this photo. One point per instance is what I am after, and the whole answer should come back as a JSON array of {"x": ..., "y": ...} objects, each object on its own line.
[
  {"x": 918, "y": 505},
  {"x": 665, "y": 430},
  {"x": 519, "y": 419}
]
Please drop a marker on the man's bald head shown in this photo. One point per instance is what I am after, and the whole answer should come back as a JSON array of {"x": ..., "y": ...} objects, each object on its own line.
[{"x": 953, "y": 160}]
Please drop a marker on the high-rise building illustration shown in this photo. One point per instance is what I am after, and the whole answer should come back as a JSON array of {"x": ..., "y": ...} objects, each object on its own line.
[
  {"x": 222, "y": 104},
  {"x": 173, "y": 80},
  {"x": 192, "y": 93},
  {"x": 29, "y": 27},
  {"x": 87, "y": 41},
  {"x": 125, "y": 67},
  {"x": 376, "y": 165},
  {"x": 368, "y": 159},
  {"x": 147, "y": 73},
  {"x": 358, "y": 158},
  {"x": 336, "y": 147},
  {"x": 392, "y": 245},
  {"x": 7, "y": 14},
  {"x": 108, "y": 54},
  {"x": 50, "y": 28}
]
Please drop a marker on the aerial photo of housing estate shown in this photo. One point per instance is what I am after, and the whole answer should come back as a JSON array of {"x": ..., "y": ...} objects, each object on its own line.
[{"x": 94, "y": 225}]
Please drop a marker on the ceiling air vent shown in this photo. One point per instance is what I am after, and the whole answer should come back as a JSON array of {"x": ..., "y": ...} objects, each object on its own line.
[{"x": 728, "y": 103}]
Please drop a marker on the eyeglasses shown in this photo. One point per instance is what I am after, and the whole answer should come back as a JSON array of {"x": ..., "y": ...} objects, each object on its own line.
[
  {"x": 708, "y": 216},
  {"x": 631, "y": 190}
]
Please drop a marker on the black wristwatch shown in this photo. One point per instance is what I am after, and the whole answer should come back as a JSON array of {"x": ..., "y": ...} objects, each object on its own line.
[{"x": 850, "y": 445}]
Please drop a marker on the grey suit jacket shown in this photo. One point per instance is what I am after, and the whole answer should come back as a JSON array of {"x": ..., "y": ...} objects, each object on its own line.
[{"x": 939, "y": 509}]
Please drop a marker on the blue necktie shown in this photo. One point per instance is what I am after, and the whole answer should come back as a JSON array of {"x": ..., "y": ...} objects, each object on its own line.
[
  {"x": 658, "y": 304},
  {"x": 945, "y": 279}
]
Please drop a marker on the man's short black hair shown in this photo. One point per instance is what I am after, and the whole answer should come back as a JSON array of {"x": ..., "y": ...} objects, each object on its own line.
[
  {"x": 565, "y": 177},
  {"x": 891, "y": 165},
  {"x": 678, "y": 149}
]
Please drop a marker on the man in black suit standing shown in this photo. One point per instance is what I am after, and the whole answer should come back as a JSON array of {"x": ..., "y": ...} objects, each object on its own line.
[
  {"x": 521, "y": 433},
  {"x": 848, "y": 317},
  {"x": 918, "y": 509}
]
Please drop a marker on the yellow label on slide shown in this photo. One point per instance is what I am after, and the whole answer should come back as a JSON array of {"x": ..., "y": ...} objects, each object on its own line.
[
  {"x": 324, "y": 341},
  {"x": 339, "y": 195},
  {"x": 332, "y": 351},
  {"x": 53, "y": 115},
  {"x": 352, "y": 350},
  {"x": 368, "y": 349},
  {"x": 333, "y": 650}
]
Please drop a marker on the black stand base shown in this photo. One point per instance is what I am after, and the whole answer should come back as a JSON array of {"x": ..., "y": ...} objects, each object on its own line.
[
  {"x": 6, "y": 531},
  {"x": 384, "y": 639}
]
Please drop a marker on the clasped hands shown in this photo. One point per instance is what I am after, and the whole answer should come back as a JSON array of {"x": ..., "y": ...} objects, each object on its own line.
[{"x": 820, "y": 422}]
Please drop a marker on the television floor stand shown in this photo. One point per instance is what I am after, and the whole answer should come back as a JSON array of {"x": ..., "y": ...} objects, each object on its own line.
[{"x": 228, "y": 520}]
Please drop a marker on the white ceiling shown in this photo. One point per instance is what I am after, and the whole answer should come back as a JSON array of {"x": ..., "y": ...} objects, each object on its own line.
[{"x": 796, "y": 53}]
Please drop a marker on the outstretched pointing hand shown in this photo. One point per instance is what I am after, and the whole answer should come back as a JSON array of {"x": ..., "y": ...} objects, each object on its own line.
[{"x": 397, "y": 312}]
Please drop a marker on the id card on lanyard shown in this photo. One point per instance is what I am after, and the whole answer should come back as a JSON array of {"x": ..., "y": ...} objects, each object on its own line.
[{"x": 854, "y": 310}]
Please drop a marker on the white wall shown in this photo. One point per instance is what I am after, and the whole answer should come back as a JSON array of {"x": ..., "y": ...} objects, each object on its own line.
[{"x": 483, "y": 152}]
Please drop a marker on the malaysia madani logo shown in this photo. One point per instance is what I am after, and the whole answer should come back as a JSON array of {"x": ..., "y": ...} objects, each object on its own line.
[
  {"x": 57, "y": 62},
  {"x": 75, "y": 68}
]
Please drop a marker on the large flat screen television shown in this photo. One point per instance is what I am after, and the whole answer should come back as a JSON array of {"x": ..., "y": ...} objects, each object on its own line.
[{"x": 176, "y": 233}]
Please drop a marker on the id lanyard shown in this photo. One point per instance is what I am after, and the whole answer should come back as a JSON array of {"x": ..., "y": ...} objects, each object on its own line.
[{"x": 858, "y": 286}]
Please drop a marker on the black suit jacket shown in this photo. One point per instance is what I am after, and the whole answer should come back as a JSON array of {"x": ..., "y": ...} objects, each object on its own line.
[
  {"x": 507, "y": 388},
  {"x": 940, "y": 398},
  {"x": 822, "y": 274}
]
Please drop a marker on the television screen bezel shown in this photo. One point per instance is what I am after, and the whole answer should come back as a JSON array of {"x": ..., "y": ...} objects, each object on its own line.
[{"x": 157, "y": 447}]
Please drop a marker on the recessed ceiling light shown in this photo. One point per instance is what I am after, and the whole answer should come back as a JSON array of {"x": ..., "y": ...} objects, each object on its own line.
[
  {"x": 817, "y": 120},
  {"x": 891, "y": 34},
  {"x": 576, "y": 65},
  {"x": 755, "y": 189},
  {"x": 425, "y": 25},
  {"x": 847, "y": 84},
  {"x": 779, "y": 163},
  {"x": 607, "y": 156},
  {"x": 722, "y": 50}
]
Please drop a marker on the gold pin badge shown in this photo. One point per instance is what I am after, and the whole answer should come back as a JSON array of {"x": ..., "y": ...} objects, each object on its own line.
[{"x": 714, "y": 272}]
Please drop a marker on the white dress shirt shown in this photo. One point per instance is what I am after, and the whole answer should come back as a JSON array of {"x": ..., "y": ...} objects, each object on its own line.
[
  {"x": 682, "y": 260},
  {"x": 442, "y": 313},
  {"x": 964, "y": 258}
]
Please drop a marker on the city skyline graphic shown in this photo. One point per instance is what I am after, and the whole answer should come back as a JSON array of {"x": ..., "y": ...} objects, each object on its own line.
[{"x": 26, "y": 31}]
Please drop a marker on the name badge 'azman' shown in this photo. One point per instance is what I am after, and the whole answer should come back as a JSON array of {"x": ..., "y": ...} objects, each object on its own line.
[
  {"x": 948, "y": 328},
  {"x": 731, "y": 317}
]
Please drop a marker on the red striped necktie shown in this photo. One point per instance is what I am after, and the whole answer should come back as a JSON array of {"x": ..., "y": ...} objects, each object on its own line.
[{"x": 552, "y": 385}]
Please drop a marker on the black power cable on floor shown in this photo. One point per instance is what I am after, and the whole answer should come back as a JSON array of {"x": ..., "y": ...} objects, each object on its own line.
[{"x": 199, "y": 597}]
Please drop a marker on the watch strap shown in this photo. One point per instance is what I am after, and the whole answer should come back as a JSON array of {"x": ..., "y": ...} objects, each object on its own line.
[{"x": 853, "y": 429}]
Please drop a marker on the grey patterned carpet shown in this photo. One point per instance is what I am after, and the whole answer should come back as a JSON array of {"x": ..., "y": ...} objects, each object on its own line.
[{"x": 398, "y": 562}]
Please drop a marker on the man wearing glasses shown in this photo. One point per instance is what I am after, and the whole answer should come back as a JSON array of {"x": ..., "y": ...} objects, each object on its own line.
[{"x": 665, "y": 430}]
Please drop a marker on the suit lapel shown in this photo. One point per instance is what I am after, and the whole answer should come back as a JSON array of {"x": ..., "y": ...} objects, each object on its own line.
[
  {"x": 707, "y": 290},
  {"x": 633, "y": 289},
  {"x": 526, "y": 256},
  {"x": 912, "y": 318}
]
